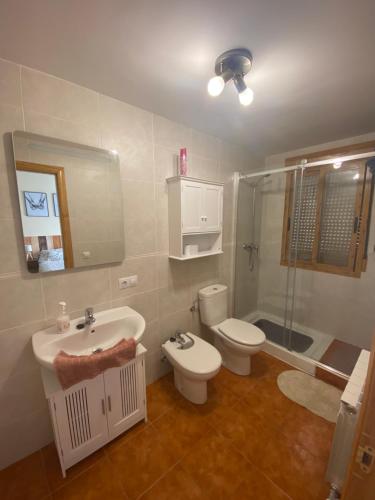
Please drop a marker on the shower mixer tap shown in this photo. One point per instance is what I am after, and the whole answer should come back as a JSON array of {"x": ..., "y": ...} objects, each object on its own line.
[{"x": 253, "y": 250}]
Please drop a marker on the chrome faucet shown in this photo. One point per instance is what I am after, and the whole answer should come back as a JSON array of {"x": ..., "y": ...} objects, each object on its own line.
[
  {"x": 179, "y": 338},
  {"x": 89, "y": 316}
]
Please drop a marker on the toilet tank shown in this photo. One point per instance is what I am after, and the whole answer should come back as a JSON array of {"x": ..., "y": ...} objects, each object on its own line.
[{"x": 213, "y": 304}]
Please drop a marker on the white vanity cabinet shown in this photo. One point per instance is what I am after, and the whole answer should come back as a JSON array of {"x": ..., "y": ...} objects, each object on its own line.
[
  {"x": 195, "y": 217},
  {"x": 90, "y": 414}
]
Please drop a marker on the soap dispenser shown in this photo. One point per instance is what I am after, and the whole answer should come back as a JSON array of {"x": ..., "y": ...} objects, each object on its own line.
[{"x": 63, "y": 320}]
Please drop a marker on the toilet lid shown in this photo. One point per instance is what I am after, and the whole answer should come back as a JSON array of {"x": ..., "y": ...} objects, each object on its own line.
[{"x": 242, "y": 332}]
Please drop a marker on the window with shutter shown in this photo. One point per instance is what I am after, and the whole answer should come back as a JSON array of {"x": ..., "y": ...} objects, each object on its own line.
[{"x": 327, "y": 228}]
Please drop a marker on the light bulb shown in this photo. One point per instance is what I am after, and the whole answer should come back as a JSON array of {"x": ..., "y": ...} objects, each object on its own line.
[
  {"x": 215, "y": 86},
  {"x": 246, "y": 97},
  {"x": 337, "y": 164}
]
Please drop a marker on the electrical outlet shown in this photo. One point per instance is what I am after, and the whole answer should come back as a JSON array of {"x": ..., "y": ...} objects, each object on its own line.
[{"x": 128, "y": 282}]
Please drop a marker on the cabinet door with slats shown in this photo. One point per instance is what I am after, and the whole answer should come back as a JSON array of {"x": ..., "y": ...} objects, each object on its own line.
[
  {"x": 125, "y": 396},
  {"x": 81, "y": 419}
]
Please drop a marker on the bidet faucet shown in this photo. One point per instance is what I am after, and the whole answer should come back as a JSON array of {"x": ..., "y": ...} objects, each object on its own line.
[{"x": 89, "y": 316}]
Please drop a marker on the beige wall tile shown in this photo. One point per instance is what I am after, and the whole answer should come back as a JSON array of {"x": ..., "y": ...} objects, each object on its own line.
[
  {"x": 23, "y": 436},
  {"x": 20, "y": 395},
  {"x": 10, "y": 83},
  {"x": 10, "y": 119},
  {"x": 52, "y": 96},
  {"x": 171, "y": 135},
  {"x": 68, "y": 130},
  {"x": 162, "y": 233},
  {"x": 175, "y": 297},
  {"x": 151, "y": 337},
  {"x": 10, "y": 247},
  {"x": 120, "y": 121},
  {"x": 139, "y": 217},
  {"x": 166, "y": 163},
  {"x": 16, "y": 350},
  {"x": 145, "y": 304},
  {"x": 21, "y": 301},
  {"x": 205, "y": 145},
  {"x": 78, "y": 289}
]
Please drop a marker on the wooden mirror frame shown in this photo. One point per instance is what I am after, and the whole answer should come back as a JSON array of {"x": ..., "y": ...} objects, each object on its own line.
[{"x": 59, "y": 174}]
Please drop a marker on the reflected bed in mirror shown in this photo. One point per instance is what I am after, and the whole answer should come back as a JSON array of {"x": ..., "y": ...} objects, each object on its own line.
[{"x": 70, "y": 203}]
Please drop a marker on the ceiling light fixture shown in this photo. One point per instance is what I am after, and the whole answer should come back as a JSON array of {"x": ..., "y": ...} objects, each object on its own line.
[
  {"x": 232, "y": 65},
  {"x": 337, "y": 164}
]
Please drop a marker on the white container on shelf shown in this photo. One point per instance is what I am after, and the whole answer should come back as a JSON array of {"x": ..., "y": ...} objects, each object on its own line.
[{"x": 191, "y": 250}]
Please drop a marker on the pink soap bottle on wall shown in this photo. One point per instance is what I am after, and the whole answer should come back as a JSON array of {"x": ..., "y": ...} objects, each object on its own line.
[{"x": 183, "y": 162}]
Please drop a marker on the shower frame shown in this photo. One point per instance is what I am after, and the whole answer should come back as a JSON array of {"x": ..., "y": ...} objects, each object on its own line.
[{"x": 293, "y": 358}]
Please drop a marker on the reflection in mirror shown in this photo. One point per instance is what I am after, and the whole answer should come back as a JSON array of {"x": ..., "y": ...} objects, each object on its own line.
[{"x": 70, "y": 203}]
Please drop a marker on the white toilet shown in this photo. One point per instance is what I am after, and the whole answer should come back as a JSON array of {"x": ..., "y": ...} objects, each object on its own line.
[
  {"x": 236, "y": 340},
  {"x": 194, "y": 362}
]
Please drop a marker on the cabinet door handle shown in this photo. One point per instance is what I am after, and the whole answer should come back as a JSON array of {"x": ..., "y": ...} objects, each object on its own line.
[
  {"x": 103, "y": 406},
  {"x": 109, "y": 403}
]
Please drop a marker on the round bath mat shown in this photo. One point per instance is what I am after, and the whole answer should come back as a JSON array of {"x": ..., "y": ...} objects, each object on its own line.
[{"x": 315, "y": 395}]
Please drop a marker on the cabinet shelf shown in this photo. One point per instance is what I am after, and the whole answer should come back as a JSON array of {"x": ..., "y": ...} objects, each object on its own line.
[
  {"x": 195, "y": 212},
  {"x": 196, "y": 256}
]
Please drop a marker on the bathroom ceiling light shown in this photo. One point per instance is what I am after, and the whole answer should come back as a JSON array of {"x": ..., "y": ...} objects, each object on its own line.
[
  {"x": 232, "y": 65},
  {"x": 337, "y": 164},
  {"x": 215, "y": 86}
]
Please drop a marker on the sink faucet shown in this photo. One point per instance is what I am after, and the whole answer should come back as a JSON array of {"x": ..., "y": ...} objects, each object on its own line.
[{"x": 89, "y": 316}]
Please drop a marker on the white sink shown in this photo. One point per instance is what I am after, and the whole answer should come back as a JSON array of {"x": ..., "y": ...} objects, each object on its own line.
[{"x": 109, "y": 328}]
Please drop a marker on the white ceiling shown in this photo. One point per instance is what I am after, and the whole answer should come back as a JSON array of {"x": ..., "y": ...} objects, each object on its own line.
[{"x": 313, "y": 73}]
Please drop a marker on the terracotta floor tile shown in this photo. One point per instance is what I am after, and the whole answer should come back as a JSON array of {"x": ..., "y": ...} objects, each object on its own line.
[
  {"x": 24, "y": 480},
  {"x": 141, "y": 461},
  {"x": 99, "y": 482},
  {"x": 161, "y": 396},
  {"x": 292, "y": 468},
  {"x": 219, "y": 399},
  {"x": 311, "y": 431},
  {"x": 247, "y": 432},
  {"x": 130, "y": 433},
  {"x": 177, "y": 484},
  {"x": 53, "y": 469},
  {"x": 268, "y": 402},
  {"x": 256, "y": 486},
  {"x": 215, "y": 466},
  {"x": 238, "y": 385},
  {"x": 180, "y": 429}
]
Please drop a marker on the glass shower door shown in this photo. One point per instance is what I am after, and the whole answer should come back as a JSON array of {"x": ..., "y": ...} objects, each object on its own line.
[{"x": 263, "y": 285}]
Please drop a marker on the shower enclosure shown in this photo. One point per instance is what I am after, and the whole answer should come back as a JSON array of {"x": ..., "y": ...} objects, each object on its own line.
[{"x": 305, "y": 260}]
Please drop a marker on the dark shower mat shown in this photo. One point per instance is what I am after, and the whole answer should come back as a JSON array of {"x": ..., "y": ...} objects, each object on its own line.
[{"x": 274, "y": 333}]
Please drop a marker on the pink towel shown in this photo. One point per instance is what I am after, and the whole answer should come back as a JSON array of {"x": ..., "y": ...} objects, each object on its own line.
[{"x": 72, "y": 369}]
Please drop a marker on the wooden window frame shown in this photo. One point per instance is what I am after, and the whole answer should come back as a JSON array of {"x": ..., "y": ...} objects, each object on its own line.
[
  {"x": 358, "y": 248},
  {"x": 59, "y": 173}
]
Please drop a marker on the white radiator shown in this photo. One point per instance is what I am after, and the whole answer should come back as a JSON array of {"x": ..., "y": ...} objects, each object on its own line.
[{"x": 346, "y": 425}]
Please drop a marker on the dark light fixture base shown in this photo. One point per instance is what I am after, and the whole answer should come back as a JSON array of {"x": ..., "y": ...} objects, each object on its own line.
[{"x": 234, "y": 62}]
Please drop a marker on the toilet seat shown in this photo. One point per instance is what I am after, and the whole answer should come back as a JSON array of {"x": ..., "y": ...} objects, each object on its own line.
[
  {"x": 202, "y": 359},
  {"x": 241, "y": 332}
]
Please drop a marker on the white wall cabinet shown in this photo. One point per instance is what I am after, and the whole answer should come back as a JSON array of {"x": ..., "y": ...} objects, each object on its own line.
[
  {"x": 90, "y": 414},
  {"x": 195, "y": 217}
]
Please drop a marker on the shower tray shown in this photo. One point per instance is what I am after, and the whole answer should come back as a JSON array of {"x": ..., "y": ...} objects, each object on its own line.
[{"x": 273, "y": 332}]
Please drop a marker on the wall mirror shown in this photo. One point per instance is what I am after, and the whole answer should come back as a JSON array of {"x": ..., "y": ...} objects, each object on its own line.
[{"x": 70, "y": 203}]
